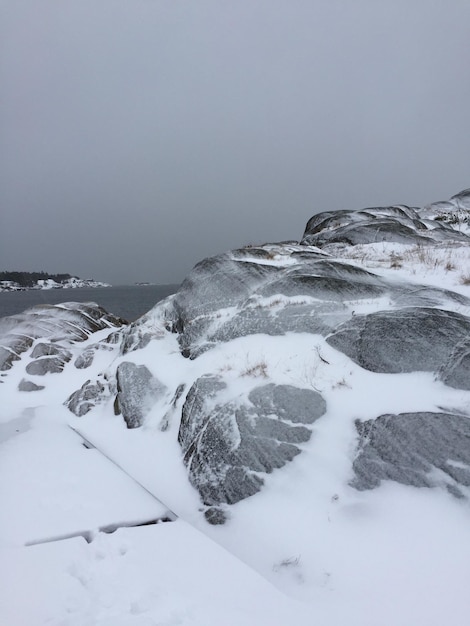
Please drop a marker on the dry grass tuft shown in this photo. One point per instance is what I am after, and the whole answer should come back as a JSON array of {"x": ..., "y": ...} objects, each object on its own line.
[{"x": 258, "y": 370}]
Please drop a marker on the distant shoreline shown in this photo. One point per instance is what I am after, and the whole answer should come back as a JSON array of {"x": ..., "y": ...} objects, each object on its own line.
[
  {"x": 127, "y": 301},
  {"x": 26, "y": 281}
]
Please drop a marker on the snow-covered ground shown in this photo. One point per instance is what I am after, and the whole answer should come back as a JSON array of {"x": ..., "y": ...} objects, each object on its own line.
[
  {"x": 444, "y": 265},
  {"x": 99, "y": 525}
]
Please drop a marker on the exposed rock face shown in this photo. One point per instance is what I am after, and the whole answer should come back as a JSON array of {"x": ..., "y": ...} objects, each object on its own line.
[
  {"x": 291, "y": 290},
  {"x": 418, "y": 449},
  {"x": 50, "y": 349},
  {"x": 138, "y": 390},
  {"x": 399, "y": 223},
  {"x": 87, "y": 397},
  {"x": 71, "y": 321},
  {"x": 28, "y": 385},
  {"x": 455, "y": 372},
  {"x": 13, "y": 346},
  {"x": 228, "y": 444},
  {"x": 50, "y": 359},
  {"x": 85, "y": 359},
  {"x": 455, "y": 211},
  {"x": 47, "y": 365},
  {"x": 400, "y": 341}
]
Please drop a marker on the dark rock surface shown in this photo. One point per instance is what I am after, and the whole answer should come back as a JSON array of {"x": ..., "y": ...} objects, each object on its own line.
[
  {"x": 232, "y": 296},
  {"x": 418, "y": 449},
  {"x": 138, "y": 390},
  {"x": 407, "y": 340},
  {"x": 13, "y": 345},
  {"x": 302, "y": 295},
  {"x": 28, "y": 385},
  {"x": 85, "y": 359},
  {"x": 400, "y": 224},
  {"x": 455, "y": 372},
  {"x": 50, "y": 359},
  {"x": 46, "y": 365},
  {"x": 87, "y": 397},
  {"x": 228, "y": 445},
  {"x": 50, "y": 349},
  {"x": 70, "y": 321}
]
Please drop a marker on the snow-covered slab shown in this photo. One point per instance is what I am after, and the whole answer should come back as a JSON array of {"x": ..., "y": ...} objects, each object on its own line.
[
  {"x": 52, "y": 484},
  {"x": 168, "y": 574}
]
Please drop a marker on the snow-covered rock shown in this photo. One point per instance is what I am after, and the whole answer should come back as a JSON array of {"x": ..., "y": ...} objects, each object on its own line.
[
  {"x": 69, "y": 321},
  {"x": 400, "y": 224},
  {"x": 304, "y": 405},
  {"x": 455, "y": 212},
  {"x": 137, "y": 392},
  {"x": 401, "y": 341},
  {"x": 420, "y": 449},
  {"x": 229, "y": 442}
]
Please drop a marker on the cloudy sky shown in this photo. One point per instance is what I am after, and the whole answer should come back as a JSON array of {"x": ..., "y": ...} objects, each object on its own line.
[{"x": 139, "y": 136}]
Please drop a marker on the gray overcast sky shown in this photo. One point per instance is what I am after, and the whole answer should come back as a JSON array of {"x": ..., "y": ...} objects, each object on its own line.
[{"x": 139, "y": 136}]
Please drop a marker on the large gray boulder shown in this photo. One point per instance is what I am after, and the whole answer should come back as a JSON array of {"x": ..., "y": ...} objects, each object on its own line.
[
  {"x": 419, "y": 449},
  {"x": 50, "y": 358},
  {"x": 47, "y": 365},
  {"x": 50, "y": 349},
  {"x": 137, "y": 392},
  {"x": 407, "y": 340},
  {"x": 229, "y": 444}
]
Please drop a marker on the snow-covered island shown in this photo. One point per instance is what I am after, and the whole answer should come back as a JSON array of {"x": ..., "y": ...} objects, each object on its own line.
[
  {"x": 285, "y": 440},
  {"x": 22, "y": 281}
]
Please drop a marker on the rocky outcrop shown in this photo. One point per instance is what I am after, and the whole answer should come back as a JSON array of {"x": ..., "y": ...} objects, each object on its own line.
[
  {"x": 47, "y": 365},
  {"x": 87, "y": 397},
  {"x": 69, "y": 322},
  {"x": 418, "y": 449},
  {"x": 13, "y": 345},
  {"x": 455, "y": 372},
  {"x": 400, "y": 224},
  {"x": 49, "y": 359},
  {"x": 229, "y": 444},
  {"x": 85, "y": 359},
  {"x": 455, "y": 212},
  {"x": 400, "y": 341},
  {"x": 275, "y": 289},
  {"x": 137, "y": 392}
]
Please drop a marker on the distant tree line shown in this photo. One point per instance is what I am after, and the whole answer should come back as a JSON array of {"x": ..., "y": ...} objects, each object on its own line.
[{"x": 29, "y": 279}]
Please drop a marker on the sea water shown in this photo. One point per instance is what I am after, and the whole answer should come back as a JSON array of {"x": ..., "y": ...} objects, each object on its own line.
[{"x": 127, "y": 301}]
